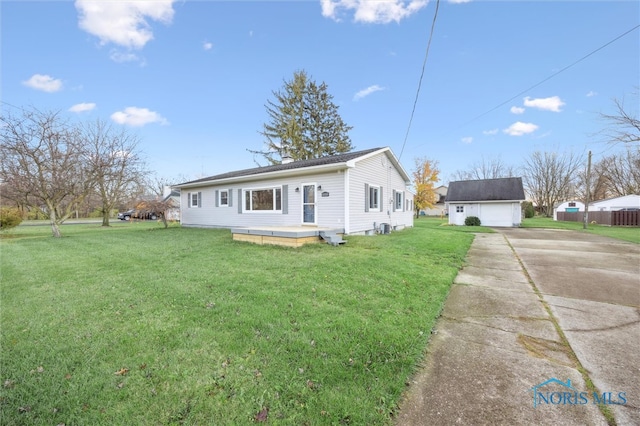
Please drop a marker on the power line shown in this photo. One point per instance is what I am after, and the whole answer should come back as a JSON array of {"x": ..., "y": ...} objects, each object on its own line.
[
  {"x": 551, "y": 76},
  {"x": 424, "y": 63}
]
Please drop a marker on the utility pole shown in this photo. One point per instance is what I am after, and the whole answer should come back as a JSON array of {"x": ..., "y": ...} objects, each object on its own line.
[{"x": 586, "y": 204}]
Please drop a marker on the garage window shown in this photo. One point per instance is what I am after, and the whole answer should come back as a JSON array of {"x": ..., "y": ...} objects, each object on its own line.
[{"x": 459, "y": 209}]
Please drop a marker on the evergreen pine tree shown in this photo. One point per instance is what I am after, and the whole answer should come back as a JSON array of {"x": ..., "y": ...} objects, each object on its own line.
[{"x": 304, "y": 122}]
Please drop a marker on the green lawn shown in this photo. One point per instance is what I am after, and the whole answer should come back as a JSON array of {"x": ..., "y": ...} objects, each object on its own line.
[
  {"x": 135, "y": 324},
  {"x": 619, "y": 232}
]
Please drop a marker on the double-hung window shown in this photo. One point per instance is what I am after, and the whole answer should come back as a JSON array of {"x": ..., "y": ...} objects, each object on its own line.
[
  {"x": 224, "y": 198},
  {"x": 374, "y": 197},
  {"x": 399, "y": 200},
  {"x": 194, "y": 199},
  {"x": 267, "y": 199}
]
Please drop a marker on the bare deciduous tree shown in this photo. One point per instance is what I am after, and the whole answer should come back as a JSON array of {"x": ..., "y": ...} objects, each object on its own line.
[
  {"x": 550, "y": 177},
  {"x": 624, "y": 124},
  {"x": 116, "y": 165},
  {"x": 621, "y": 172},
  {"x": 41, "y": 159},
  {"x": 492, "y": 168}
]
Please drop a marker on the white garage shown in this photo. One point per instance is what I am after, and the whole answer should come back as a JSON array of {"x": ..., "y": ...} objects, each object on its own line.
[{"x": 496, "y": 202}]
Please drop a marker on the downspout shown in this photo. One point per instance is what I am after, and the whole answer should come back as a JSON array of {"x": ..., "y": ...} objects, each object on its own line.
[{"x": 347, "y": 199}]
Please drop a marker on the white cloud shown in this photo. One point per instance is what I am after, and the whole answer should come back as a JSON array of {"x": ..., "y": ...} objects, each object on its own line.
[
  {"x": 45, "y": 83},
  {"x": 366, "y": 92},
  {"x": 82, "y": 107},
  {"x": 375, "y": 12},
  {"x": 591, "y": 94},
  {"x": 207, "y": 45},
  {"x": 519, "y": 128},
  {"x": 490, "y": 132},
  {"x": 123, "y": 22},
  {"x": 548, "y": 104},
  {"x": 467, "y": 139},
  {"x": 134, "y": 116},
  {"x": 459, "y": 1},
  {"x": 517, "y": 110},
  {"x": 120, "y": 57}
]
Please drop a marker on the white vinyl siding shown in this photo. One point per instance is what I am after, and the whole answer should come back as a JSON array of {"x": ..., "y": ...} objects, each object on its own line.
[
  {"x": 376, "y": 171},
  {"x": 330, "y": 208},
  {"x": 337, "y": 206},
  {"x": 194, "y": 199}
]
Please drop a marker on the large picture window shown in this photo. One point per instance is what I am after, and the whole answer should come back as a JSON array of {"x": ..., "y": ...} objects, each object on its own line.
[{"x": 263, "y": 199}]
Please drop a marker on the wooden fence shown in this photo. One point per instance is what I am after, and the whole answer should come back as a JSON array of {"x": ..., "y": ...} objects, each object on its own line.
[{"x": 615, "y": 218}]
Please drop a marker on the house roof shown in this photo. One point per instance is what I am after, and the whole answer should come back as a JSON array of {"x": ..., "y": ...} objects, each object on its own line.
[
  {"x": 631, "y": 198},
  {"x": 173, "y": 194},
  {"x": 502, "y": 189},
  {"x": 315, "y": 164}
]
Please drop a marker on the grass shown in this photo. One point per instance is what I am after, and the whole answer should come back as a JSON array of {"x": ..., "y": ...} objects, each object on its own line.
[
  {"x": 135, "y": 324},
  {"x": 619, "y": 232}
]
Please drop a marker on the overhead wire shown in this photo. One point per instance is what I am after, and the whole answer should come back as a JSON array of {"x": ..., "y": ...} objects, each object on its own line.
[
  {"x": 551, "y": 76},
  {"x": 547, "y": 78},
  {"x": 424, "y": 63}
]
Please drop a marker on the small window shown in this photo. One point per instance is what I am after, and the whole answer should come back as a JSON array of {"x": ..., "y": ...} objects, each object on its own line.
[
  {"x": 195, "y": 199},
  {"x": 224, "y": 198},
  {"x": 459, "y": 209},
  {"x": 374, "y": 198},
  {"x": 572, "y": 204},
  {"x": 399, "y": 200}
]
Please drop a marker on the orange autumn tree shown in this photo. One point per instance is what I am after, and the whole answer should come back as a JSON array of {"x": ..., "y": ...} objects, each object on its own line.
[{"x": 425, "y": 175}]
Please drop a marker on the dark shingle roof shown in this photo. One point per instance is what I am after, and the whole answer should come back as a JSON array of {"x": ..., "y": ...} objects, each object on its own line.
[
  {"x": 333, "y": 159},
  {"x": 502, "y": 189}
]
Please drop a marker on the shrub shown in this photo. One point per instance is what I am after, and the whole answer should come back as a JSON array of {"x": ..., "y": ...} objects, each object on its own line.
[
  {"x": 10, "y": 217},
  {"x": 472, "y": 221},
  {"x": 529, "y": 211}
]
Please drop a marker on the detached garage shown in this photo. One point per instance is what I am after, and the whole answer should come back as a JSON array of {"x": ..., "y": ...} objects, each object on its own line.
[{"x": 495, "y": 201}]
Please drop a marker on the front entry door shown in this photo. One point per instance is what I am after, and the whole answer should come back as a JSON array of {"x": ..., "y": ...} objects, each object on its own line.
[{"x": 309, "y": 204}]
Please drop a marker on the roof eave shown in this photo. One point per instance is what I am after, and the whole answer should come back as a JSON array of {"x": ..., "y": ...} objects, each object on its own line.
[
  {"x": 484, "y": 201},
  {"x": 391, "y": 156},
  {"x": 302, "y": 171}
]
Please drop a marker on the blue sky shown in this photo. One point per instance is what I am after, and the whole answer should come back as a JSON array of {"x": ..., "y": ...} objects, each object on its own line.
[{"x": 191, "y": 78}]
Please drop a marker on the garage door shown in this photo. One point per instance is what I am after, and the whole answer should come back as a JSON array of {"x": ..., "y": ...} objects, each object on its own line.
[{"x": 496, "y": 215}]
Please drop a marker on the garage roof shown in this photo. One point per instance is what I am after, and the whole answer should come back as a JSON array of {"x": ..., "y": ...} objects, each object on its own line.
[{"x": 502, "y": 189}]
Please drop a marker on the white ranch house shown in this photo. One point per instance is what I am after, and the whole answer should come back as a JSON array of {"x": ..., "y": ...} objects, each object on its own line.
[
  {"x": 495, "y": 201},
  {"x": 359, "y": 192}
]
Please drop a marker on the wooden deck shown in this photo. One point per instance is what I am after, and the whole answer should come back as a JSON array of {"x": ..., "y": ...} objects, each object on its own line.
[{"x": 289, "y": 236}]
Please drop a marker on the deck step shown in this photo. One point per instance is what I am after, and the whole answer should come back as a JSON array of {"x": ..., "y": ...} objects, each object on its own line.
[{"x": 331, "y": 238}]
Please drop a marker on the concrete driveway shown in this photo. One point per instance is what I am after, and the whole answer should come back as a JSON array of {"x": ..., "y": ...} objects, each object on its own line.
[
  {"x": 523, "y": 295},
  {"x": 592, "y": 285}
]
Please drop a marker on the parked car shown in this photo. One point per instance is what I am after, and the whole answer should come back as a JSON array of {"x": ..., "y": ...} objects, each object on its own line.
[{"x": 138, "y": 214}]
